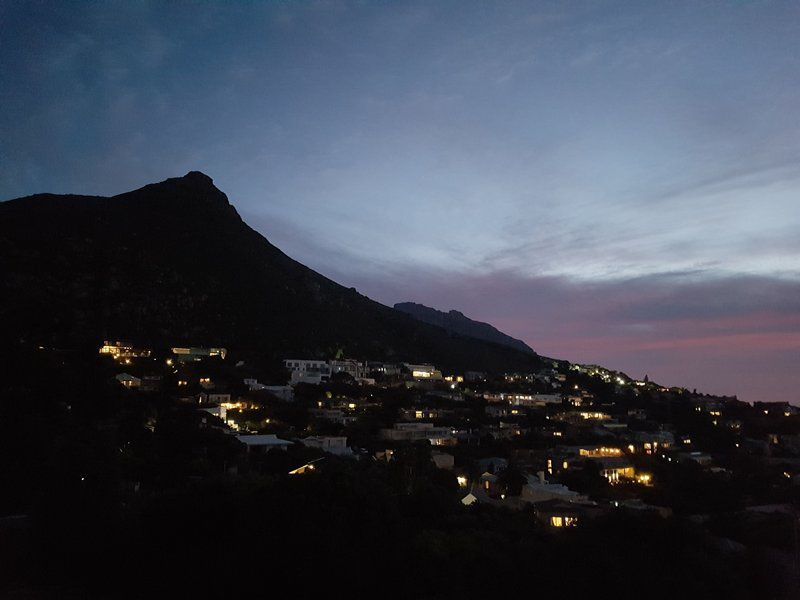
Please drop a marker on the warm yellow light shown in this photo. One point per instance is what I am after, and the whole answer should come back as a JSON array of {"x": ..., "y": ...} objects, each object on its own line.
[{"x": 462, "y": 481}]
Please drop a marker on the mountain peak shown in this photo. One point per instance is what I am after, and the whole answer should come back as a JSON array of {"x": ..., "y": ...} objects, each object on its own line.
[
  {"x": 192, "y": 191},
  {"x": 198, "y": 178}
]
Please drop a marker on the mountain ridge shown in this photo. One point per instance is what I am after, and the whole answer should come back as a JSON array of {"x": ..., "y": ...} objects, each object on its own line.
[
  {"x": 457, "y": 322},
  {"x": 174, "y": 263}
]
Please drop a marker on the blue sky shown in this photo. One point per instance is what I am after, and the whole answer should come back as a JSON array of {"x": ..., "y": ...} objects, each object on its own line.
[{"x": 614, "y": 182}]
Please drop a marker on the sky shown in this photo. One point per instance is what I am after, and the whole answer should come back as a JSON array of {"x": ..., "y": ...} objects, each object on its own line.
[{"x": 612, "y": 182}]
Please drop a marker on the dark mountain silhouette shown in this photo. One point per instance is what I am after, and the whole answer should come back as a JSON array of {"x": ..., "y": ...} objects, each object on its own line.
[
  {"x": 173, "y": 263},
  {"x": 455, "y": 322}
]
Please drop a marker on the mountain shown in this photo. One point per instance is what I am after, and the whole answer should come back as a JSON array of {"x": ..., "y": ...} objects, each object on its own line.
[
  {"x": 172, "y": 263},
  {"x": 455, "y": 322}
]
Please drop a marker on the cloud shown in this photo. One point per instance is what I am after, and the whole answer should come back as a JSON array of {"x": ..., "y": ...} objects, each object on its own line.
[{"x": 722, "y": 334}]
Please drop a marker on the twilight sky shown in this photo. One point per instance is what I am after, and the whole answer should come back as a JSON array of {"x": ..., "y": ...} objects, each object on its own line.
[{"x": 613, "y": 182}]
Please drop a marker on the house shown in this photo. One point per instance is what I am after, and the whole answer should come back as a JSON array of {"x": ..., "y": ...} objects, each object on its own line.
[
  {"x": 195, "y": 354},
  {"x": 493, "y": 464},
  {"x": 469, "y": 499},
  {"x": 651, "y": 441},
  {"x": 352, "y": 367},
  {"x": 538, "y": 489},
  {"x": 334, "y": 415},
  {"x": 410, "y": 432},
  {"x": 282, "y": 392},
  {"x": 443, "y": 460},
  {"x": 616, "y": 469},
  {"x": 426, "y": 413},
  {"x": 217, "y": 411},
  {"x": 490, "y": 483},
  {"x": 423, "y": 371},
  {"x": 504, "y": 431},
  {"x": 253, "y": 385},
  {"x": 307, "y": 371},
  {"x": 333, "y": 444},
  {"x": 526, "y": 400},
  {"x": 218, "y": 398},
  {"x": 260, "y": 443},
  {"x": 558, "y": 513},
  {"x": 129, "y": 381},
  {"x": 600, "y": 452},
  {"x": 122, "y": 351},
  {"x": 387, "y": 369}
]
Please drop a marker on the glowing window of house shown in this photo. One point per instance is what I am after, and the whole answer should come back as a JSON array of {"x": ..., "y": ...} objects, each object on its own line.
[{"x": 557, "y": 521}]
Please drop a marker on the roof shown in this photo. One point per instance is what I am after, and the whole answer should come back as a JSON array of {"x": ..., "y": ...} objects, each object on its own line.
[
  {"x": 126, "y": 377},
  {"x": 269, "y": 439}
]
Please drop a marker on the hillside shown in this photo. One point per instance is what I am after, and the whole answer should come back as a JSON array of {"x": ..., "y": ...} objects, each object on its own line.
[
  {"x": 173, "y": 263},
  {"x": 456, "y": 322}
]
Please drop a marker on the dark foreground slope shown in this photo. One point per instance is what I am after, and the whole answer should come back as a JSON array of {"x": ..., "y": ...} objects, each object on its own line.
[
  {"x": 173, "y": 263},
  {"x": 456, "y": 322}
]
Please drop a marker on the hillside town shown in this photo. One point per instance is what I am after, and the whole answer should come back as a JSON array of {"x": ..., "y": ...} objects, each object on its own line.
[
  {"x": 340, "y": 459},
  {"x": 567, "y": 443}
]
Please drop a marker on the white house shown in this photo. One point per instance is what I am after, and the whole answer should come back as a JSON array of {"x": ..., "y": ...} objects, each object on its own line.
[
  {"x": 307, "y": 371},
  {"x": 538, "y": 489},
  {"x": 334, "y": 444},
  {"x": 423, "y": 371},
  {"x": 263, "y": 442}
]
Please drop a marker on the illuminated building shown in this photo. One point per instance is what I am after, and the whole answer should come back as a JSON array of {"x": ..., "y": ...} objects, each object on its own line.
[
  {"x": 192, "y": 354},
  {"x": 121, "y": 351},
  {"x": 424, "y": 371},
  {"x": 600, "y": 452}
]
